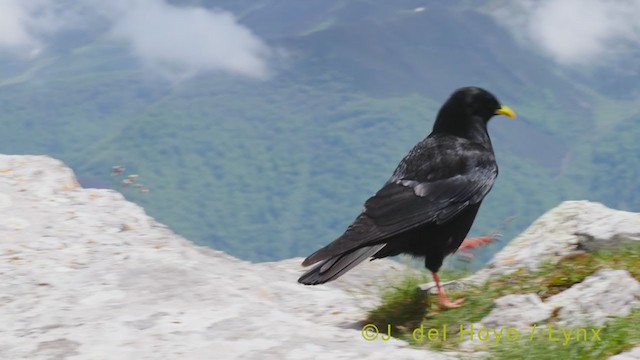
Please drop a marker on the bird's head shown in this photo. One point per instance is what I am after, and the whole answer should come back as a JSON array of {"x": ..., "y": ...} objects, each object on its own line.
[
  {"x": 478, "y": 102},
  {"x": 469, "y": 105}
]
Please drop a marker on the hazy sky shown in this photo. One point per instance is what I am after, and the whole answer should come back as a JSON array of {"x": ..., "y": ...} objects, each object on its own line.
[
  {"x": 175, "y": 41},
  {"x": 584, "y": 32}
]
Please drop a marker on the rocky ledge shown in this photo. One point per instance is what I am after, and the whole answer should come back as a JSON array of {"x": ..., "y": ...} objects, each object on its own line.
[{"x": 88, "y": 275}]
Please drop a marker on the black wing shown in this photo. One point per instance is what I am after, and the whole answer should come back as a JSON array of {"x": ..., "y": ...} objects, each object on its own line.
[{"x": 437, "y": 180}]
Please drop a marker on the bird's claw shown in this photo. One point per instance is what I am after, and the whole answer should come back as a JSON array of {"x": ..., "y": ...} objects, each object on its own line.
[{"x": 447, "y": 304}]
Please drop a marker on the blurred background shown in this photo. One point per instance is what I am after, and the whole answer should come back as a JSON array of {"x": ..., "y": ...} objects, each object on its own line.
[{"x": 259, "y": 127}]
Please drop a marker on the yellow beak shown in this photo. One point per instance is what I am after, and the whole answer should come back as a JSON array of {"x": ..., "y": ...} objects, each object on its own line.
[{"x": 506, "y": 111}]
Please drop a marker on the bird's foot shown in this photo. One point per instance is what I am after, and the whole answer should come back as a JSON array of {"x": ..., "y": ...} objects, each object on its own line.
[
  {"x": 448, "y": 304},
  {"x": 444, "y": 301},
  {"x": 471, "y": 243}
]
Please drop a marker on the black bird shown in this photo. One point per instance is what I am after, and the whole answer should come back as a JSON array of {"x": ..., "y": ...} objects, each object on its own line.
[{"x": 428, "y": 205}]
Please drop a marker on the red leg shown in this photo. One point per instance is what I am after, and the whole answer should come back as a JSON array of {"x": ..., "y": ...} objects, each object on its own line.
[
  {"x": 443, "y": 298},
  {"x": 471, "y": 243}
]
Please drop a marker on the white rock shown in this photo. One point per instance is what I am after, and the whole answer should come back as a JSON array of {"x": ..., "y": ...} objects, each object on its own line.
[
  {"x": 604, "y": 294},
  {"x": 571, "y": 226},
  {"x": 517, "y": 310},
  {"x": 13, "y": 223},
  {"x": 93, "y": 277},
  {"x": 5, "y": 201},
  {"x": 633, "y": 354}
]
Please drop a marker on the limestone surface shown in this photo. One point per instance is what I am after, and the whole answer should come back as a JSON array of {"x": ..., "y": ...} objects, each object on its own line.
[
  {"x": 573, "y": 225},
  {"x": 633, "y": 354},
  {"x": 604, "y": 294},
  {"x": 88, "y": 275},
  {"x": 518, "y": 311}
]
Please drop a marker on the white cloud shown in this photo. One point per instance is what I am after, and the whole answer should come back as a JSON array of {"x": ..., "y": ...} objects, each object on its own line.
[
  {"x": 15, "y": 36},
  {"x": 582, "y": 32},
  {"x": 182, "y": 41},
  {"x": 176, "y": 42}
]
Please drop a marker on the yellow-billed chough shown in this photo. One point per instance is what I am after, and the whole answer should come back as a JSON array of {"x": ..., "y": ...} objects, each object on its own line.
[{"x": 428, "y": 205}]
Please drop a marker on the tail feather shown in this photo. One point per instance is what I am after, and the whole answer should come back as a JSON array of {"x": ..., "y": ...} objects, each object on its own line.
[
  {"x": 363, "y": 231},
  {"x": 334, "y": 267}
]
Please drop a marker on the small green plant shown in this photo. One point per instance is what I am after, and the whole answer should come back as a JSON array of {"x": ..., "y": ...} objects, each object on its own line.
[
  {"x": 403, "y": 306},
  {"x": 130, "y": 180}
]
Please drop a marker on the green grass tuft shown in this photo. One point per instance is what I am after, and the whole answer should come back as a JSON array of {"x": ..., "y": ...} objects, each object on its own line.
[
  {"x": 403, "y": 306},
  {"x": 619, "y": 335}
]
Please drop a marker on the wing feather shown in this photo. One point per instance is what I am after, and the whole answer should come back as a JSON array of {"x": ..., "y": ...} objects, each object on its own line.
[{"x": 445, "y": 182}]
